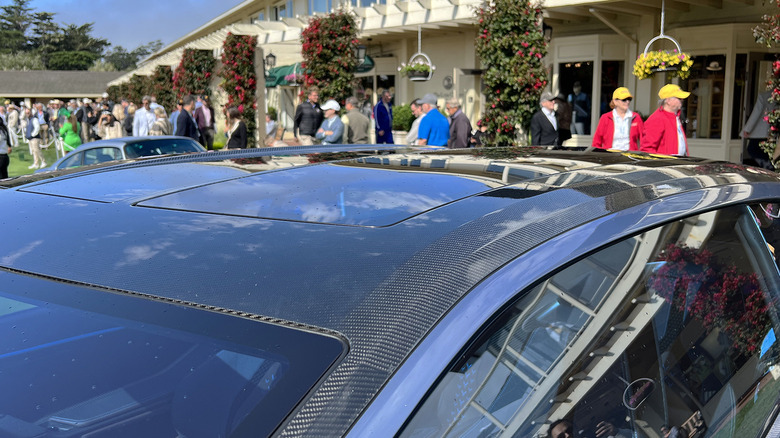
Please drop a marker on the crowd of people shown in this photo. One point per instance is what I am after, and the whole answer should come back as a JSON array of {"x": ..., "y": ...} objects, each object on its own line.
[
  {"x": 620, "y": 128},
  {"x": 79, "y": 121},
  {"x": 320, "y": 124}
]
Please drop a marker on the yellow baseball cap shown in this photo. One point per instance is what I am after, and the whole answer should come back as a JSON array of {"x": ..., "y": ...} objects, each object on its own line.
[
  {"x": 671, "y": 90},
  {"x": 622, "y": 93}
]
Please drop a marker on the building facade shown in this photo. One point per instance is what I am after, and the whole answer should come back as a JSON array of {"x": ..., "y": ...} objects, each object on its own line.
[{"x": 594, "y": 44}]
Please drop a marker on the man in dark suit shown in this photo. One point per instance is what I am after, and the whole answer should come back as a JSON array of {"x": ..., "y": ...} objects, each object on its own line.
[
  {"x": 185, "y": 125},
  {"x": 544, "y": 126}
]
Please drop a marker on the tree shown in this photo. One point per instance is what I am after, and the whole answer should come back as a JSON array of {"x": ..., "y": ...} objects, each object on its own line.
[
  {"x": 14, "y": 23},
  {"x": 328, "y": 44},
  {"x": 101, "y": 65},
  {"x": 511, "y": 46},
  {"x": 21, "y": 61},
  {"x": 124, "y": 60},
  {"x": 71, "y": 60}
]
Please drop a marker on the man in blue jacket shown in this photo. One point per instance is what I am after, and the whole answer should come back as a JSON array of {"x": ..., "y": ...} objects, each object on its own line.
[
  {"x": 383, "y": 117},
  {"x": 434, "y": 128}
]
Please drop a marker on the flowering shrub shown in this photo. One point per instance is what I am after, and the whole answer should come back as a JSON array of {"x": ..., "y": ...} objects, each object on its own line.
[
  {"x": 162, "y": 87},
  {"x": 717, "y": 295},
  {"x": 773, "y": 118},
  {"x": 238, "y": 77},
  {"x": 511, "y": 46},
  {"x": 328, "y": 43},
  {"x": 137, "y": 87},
  {"x": 193, "y": 74},
  {"x": 674, "y": 62},
  {"x": 768, "y": 32}
]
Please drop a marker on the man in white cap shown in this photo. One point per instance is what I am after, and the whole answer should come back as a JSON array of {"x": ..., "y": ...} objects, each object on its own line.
[
  {"x": 332, "y": 128},
  {"x": 544, "y": 125},
  {"x": 663, "y": 129}
]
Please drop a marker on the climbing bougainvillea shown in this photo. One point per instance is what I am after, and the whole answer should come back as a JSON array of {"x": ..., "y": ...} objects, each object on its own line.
[
  {"x": 194, "y": 73},
  {"x": 327, "y": 49},
  {"x": 238, "y": 77},
  {"x": 511, "y": 45}
]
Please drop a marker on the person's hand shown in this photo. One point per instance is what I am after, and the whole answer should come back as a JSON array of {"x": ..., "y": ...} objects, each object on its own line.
[
  {"x": 746, "y": 134},
  {"x": 605, "y": 429},
  {"x": 381, "y": 133}
]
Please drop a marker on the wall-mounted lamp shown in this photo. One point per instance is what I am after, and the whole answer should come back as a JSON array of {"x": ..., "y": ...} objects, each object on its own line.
[
  {"x": 547, "y": 32},
  {"x": 359, "y": 52},
  {"x": 269, "y": 62}
]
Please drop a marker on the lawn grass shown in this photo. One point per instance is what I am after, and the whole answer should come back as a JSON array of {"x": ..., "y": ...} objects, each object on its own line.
[{"x": 21, "y": 158}]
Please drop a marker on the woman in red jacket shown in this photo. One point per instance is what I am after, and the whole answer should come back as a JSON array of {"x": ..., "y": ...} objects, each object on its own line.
[{"x": 620, "y": 128}]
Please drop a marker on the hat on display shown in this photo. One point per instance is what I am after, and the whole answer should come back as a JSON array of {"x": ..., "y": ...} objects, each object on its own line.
[
  {"x": 546, "y": 97},
  {"x": 430, "y": 99},
  {"x": 672, "y": 90},
  {"x": 622, "y": 93},
  {"x": 714, "y": 66},
  {"x": 331, "y": 105}
]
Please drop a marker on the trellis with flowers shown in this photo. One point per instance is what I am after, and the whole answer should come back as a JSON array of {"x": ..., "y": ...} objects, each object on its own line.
[
  {"x": 328, "y": 44},
  {"x": 239, "y": 80},
  {"x": 510, "y": 42},
  {"x": 193, "y": 74},
  {"x": 768, "y": 33}
]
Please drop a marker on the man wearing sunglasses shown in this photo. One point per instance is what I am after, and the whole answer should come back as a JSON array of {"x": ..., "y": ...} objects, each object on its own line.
[{"x": 620, "y": 128}]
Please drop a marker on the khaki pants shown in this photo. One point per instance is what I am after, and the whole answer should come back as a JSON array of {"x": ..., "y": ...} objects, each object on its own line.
[
  {"x": 44, "y": 133},
  {"x": 35, "y": 150}
]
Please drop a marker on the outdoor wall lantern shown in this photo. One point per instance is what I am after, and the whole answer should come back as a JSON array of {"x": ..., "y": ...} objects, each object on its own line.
[
  {"x": 269, "y": 61},
  {"x": 360, "y": 54},
  {"x": 547, "y": 32}
]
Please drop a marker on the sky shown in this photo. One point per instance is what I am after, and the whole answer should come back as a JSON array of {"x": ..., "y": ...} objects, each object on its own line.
[{"x": 131, "y": 23}]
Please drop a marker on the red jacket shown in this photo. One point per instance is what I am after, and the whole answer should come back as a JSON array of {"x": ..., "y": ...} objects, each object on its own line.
[
  {"x": 660, "y": 135},
  {"x": 606, "y": 130}
]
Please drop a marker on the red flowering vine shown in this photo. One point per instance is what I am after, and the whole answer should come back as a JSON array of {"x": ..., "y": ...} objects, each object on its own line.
[
  {"x": 327, "y": 49},
  {"x": 194, "y": 73},
  {"x": 511, "y": 45},
  {"x": 719, "y": 296},
  {"x": 238, "y": 76},
  {"x": 162, "y": 87},
  {"x": 768, "y": 33}
]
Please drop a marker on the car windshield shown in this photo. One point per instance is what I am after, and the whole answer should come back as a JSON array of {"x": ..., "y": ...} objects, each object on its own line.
[
  {"x": 85, "y": 362},
  {"x": 161, "y": 146}
]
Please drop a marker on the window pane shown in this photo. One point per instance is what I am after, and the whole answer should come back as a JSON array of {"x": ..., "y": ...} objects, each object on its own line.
[
  {"x": 576, "y": 82},
  {"x": 675, "y": 326},
  {"x": 703, "y": 110},
  {"x": 611, "y": 78}
]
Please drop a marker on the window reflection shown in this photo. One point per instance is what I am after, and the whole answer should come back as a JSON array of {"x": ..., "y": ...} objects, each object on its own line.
[
  {"x": 672, "y": 327},
  {"x": 703, "y": 110}
]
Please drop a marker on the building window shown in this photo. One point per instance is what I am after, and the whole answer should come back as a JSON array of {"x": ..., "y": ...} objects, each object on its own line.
[
  {"x": 611, "y": 78},
  {"x": 703, "y": 110},
  {"x": 367, "y": 3},
  {"x": 282, "y": 10},
  {"x": 576, "y": 83},
  {"x": 316, "y": 6}
]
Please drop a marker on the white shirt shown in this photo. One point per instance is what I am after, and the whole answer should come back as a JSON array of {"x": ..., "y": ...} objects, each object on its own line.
[
  {"x": 680, "y": 138},
  {"x": 622, "y": 134},
  {"x": 143, "y": 121},
  {"x": 550, "y": 114}
]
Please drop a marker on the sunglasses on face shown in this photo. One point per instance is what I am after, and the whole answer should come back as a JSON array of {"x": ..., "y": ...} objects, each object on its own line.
[
  {"x": 628, "y": 99},
  {"x": 567, "y": 432}
]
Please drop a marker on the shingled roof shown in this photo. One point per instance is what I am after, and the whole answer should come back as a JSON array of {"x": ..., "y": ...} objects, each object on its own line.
[{"x": 54, "y": 84}]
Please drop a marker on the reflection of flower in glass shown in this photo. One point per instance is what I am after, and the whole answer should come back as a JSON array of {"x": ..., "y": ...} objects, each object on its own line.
[{"x": 719, "y": 296}]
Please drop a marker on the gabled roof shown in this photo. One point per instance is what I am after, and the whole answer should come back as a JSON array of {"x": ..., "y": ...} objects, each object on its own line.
[{"x": 54, "y": 84}]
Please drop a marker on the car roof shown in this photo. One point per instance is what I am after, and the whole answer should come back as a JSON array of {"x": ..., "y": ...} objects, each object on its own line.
[{"x": 374, "y": 248}]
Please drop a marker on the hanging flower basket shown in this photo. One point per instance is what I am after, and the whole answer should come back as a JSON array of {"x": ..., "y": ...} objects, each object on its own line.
[
  {"x": 419, "y": 68},
  {"x": 663, "y": 61},
  {"x": 294, "y": 79}
]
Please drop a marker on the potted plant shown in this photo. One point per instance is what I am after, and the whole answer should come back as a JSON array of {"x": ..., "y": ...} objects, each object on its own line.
[
  {"x": 294, "y": 79},
  {"x": 670, "y": 61},
  {"x": 417, "y": 70}
]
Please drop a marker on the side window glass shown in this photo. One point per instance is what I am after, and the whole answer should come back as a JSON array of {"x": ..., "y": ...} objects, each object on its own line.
[
  {"x": 673, "y": 329},
  {"x": 100, "y": 155},
  {"x": 73, "y": 161}
]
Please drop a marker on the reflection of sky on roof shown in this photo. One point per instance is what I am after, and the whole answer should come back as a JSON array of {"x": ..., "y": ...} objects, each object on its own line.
[
  {"x": 352, "y": 196},
  {"x": 141, "y": 181}
]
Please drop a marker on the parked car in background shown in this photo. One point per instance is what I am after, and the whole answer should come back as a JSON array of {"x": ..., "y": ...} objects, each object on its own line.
[
  {"x": 102, "y": 151},
  {"x": 326, "y": 291}
]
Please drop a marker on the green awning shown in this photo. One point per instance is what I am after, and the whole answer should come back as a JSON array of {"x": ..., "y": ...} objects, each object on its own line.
[
  {"x": 366, "y": 66},
  {"x": 276, "y": 76}
]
